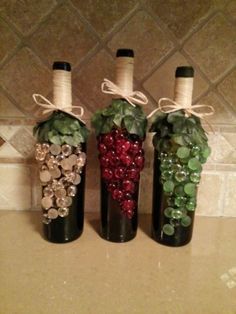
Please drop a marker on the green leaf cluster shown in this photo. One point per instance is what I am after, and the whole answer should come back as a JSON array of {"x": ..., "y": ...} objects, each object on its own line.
[
  {"x": 121, "y": 115},
  {"x": 61, "y": 128},
  {"x": 174, "y": 129}
]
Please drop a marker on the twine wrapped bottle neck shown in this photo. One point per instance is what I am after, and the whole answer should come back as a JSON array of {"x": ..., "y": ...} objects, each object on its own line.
[
  {"x": 62, "y": 91},
  {"x": 124, "y": 74},
  {"x": 183, "y": 91}
]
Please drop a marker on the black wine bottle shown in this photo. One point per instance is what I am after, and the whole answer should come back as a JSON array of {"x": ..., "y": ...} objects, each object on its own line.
[
  {"x": 61, "y": 155},
  {"x": 121, "y": 156},
  {"x": 180, "y": 149}
]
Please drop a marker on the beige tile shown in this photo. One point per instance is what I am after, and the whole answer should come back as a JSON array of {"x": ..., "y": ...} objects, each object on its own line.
[
  {"x": 1, "y": 141},
  {"x": 70, "y": 42},
  {"x": 30, "y": 76},
  {"x": 161, "y": 82},
  {"x": 231, "y": 9},
  {"x": 15, "y": 187},
  {"x": 222, "y": 113},
  {"x": 7, "y": 131},
  {"x": 104, "y": 15},
  {"x": 230, "y": 196},
  {"x": 222, "y": 149},
  {"x": 210, "y": 193},
  {"x": 212, "y": 47},
  {"x": 8, "y": 40},
  {"x": 23, "y": 142},
  {"x": 147, "y": 39},
  {"x": 228, "y": 88},
  {"x": 25, "y": 14},
  {"x": 181, "y": 17},
  {"x": 7, "y": 151},
  {"x": 7, "y": 109},
  {"x": 87, "y": 85}
]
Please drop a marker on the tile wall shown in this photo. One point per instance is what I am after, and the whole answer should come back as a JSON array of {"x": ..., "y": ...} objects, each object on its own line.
[{"x": 163, "y": 33}]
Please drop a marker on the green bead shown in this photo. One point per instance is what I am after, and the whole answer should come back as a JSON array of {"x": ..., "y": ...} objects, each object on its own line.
[
  {"x": 179, "y": 190},
  {"x": 168, "y": 186},
  {"x": 206, "y": 152},
  {"x": 167, "y": 161},
  {"x": 168, "y": 212},
  {"x": 168, "y": 229},
  {"x": 176, "y": 167},
  {"x": 176, "y": 214},
  {"x": 170, "y": 201},
  {"x": 174, "y": 222},
  {"x": 180, "y": 201},
  {"x": 183, "y": 152},
  {"x": 194, "y": 164},
  {"x": 167, "y": 174},
  {"x": 195, "y": 177},
  {"x": 180, "y": 176},
  {"x": 186, "y": 221},
  {"x": 191, "y": 205},
  {"x": 190, "y": 189},
  {"x": 195, "y": 150}
]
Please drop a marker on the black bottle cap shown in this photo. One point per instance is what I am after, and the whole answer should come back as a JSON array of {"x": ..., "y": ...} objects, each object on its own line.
[
  {"x": 184, "y": 71},
  {"x": 125, "y": 53},
  {"x": 61, "y": 65}
]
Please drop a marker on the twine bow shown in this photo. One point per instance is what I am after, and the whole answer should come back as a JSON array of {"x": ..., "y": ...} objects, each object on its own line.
[
  {"x": 50, "y": 107},
  {"x": 133, "y": 98},
  {"x": 188, "y": 109}
]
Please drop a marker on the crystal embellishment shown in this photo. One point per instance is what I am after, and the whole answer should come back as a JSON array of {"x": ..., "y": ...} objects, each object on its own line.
[{"x": 60, "y": 169}]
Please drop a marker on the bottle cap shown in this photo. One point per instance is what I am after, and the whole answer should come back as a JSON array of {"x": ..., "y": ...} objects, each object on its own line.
[
  {"x": 125, "y": 53},
  {"x": 184, "y": 71},
  {"x": 61, "y": 65}
]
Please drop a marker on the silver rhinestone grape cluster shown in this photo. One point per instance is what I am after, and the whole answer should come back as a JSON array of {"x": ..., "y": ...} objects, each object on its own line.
[{"x": 60, "y": 168}]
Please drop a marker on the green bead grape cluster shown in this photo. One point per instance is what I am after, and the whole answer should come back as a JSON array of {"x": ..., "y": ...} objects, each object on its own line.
[{"x": 182, "y": 149}]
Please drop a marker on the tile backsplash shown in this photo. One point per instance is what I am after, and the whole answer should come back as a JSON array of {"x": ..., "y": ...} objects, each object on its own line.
[{"x": 163, "y": 34}]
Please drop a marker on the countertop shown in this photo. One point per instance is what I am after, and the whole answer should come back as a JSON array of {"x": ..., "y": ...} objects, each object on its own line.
[{"x": 91, "y": 275}]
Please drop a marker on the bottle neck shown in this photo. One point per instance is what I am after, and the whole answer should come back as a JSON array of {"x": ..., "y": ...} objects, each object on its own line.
[
  {"x": 183, "y": 91},
  {"x": 124, "y": 74},
  {"x": 62, "y": 91}
]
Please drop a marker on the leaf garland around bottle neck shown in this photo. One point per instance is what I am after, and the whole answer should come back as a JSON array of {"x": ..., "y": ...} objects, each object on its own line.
[
  {"x": 174, "y": 130},
  {"x": 120, "y": 114},
  {"x": 60, "y": 128}
]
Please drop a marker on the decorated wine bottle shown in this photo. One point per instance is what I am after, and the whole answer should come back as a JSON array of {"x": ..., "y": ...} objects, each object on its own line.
[
  {"x": 180, "y": 149},
  {"x": 61, "y": 156},
  {"x": 120, "y": 130}
]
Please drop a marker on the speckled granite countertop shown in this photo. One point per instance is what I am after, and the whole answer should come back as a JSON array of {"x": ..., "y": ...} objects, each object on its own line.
[{"x": 94, "y": 276}]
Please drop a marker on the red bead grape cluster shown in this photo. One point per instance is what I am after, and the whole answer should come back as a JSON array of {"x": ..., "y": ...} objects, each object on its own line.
[{"x": 121, "y": 160}]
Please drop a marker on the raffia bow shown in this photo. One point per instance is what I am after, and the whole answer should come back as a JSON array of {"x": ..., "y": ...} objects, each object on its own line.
[
  {"x": 50, "y": 107},
  {"x": 188, "y": 109},
  {"x": 133, "y": 98}
]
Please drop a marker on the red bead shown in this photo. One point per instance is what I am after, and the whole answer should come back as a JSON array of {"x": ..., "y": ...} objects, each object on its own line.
[
  {"x": 108, "y": 140},
  {"x": 115, "y": 161},
  {"x": 102, "y": 148},
  {"x": 139, "y": 160},
  {"x": 128, "y": 205},
  {"x": 128, "y": 186},
  {"x": 107, "y": 174},
  {"x": 111, "y": 186},
  {"x": 119, "y": 173},
  {"x": 126, "y": 159},
  {"x": 134, "y": 148},
  {"x": 132, "y": 173},
  {"x": 104, "y": 161},
  {"x": 128, "y": 196},
  {"x": 117, "y": 195}
]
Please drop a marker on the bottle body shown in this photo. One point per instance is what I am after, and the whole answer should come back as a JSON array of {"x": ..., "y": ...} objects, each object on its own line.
[{"x": 179, "y": 235}]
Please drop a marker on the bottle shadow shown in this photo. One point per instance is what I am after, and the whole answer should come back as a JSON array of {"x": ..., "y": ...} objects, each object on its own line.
[
  {"x": 35, "y": 218},
  {"x": 94, "y": 222},
  {"x": 145, "y": 224}
]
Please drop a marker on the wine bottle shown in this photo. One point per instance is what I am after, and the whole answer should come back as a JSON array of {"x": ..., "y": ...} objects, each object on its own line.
[
  {"x": 120, "y": 130},
  {"x": 61, "y": 155},
  {"x": 180, "y": 149}
]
